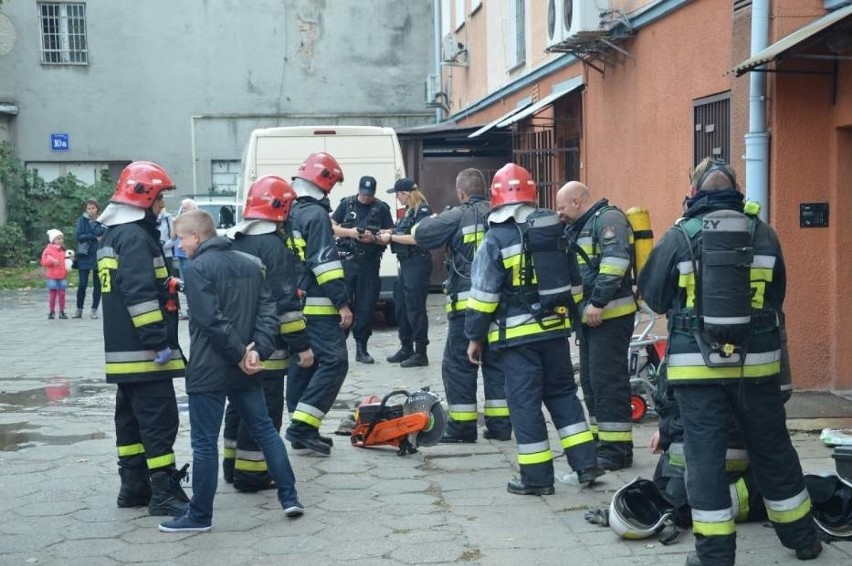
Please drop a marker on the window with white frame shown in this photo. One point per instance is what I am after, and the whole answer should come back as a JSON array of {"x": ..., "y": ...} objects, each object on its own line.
[
  {"x": 224, "y": 174},
  {"x": 460, "y": 13},
  {"x": 516, "y": 51},
  {"x": 63, "y": 33}
]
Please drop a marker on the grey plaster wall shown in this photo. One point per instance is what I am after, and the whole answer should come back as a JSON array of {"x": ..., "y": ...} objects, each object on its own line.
[{"x": 163, "y": 71}]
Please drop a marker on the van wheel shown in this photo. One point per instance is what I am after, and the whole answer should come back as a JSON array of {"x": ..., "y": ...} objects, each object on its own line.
[{"x": 389, "y": 313}]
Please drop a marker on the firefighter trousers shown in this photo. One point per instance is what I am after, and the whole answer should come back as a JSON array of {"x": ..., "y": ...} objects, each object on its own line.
[
  {"x": 363, "y": 285},
  {"x": 605, "y": 378},
  {"x": 146, "y": 424},
  {"x": 249, "y": 464},
  {"x": 460, "y": 377},
  {"x": 759, "y": 411},
  {"x": 409, "y": 294},
  {"x": 312, "y": 391},
  {"x": 538, "y": 373}
]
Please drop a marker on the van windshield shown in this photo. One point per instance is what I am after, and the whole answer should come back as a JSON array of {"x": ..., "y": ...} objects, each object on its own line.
[{"x": 225, "y": 215}]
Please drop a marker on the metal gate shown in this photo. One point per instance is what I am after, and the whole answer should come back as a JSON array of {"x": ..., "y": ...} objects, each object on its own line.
[{"x": 552, "y": 161}]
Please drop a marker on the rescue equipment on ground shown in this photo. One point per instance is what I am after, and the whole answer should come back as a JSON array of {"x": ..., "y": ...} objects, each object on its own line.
[
  {"x": 639, "y": 510},
  {"x": 419, "y": 421},
  {"x": 831, "y": 504},
  {"x": 722, "y": 286},
  {"x": 643, "y": 237}
]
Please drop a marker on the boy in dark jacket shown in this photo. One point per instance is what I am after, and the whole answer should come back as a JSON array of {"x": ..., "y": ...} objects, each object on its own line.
[{"x": 233, "y": 313}]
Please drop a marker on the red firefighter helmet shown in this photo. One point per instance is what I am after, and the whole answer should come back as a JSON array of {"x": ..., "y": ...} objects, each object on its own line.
[
  {"x": 322, "y": 170},
  {"x": 512, "y": 184},
  {"x": 269, "y": 198},
  {"x": 140, "y": 183}
]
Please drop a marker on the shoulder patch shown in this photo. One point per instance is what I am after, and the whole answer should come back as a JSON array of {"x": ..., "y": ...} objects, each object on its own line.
[{"x": 608, "y": 235}]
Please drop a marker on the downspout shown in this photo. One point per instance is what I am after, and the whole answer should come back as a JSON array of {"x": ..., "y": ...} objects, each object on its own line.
[
  {"x": 436, "y": 9},
  {"x": 757, "y": 138}
]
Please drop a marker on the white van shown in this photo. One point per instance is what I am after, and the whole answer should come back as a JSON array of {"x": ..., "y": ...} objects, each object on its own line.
[{"x": 360, "y": 150}]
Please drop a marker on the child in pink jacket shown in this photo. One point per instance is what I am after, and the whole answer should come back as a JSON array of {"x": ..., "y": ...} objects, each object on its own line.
[{"x": 55, "y": 271}]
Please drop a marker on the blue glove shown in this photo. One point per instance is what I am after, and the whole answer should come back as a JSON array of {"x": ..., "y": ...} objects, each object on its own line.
[{"x": 163, "y": 356}]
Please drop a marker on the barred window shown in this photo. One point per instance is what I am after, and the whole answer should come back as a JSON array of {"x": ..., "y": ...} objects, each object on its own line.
[
  {"x": 712, "y": 128},
  {"x": 63, "y": 33}
]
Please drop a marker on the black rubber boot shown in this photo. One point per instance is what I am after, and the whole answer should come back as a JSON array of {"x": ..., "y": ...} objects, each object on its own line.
[
  {"x": 405, "y": 351},
  {"x": 361, "y": 354},
  {"x": 251, "y": 482},
  {"x": 135, "y": 490},
  {"x": 228, "y": 470},
  {"x": 167, "y": 496},
  {"x": 418, "y": 359}
]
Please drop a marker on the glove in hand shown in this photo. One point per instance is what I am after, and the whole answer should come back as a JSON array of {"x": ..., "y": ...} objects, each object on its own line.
[{"x": 163, "y": 356}]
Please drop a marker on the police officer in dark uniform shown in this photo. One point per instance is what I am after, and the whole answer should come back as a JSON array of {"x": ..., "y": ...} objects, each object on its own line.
[
  {"x": 679, "y": 281},
  {"x": 461, "y": 230},
  {"x": 505, "y": 309},
  {"x": 603, "y": 232},
  {"x": 357, "y": 222},
  {"x": 412, "y": 285},
  {"x": 140, "y": 318}
]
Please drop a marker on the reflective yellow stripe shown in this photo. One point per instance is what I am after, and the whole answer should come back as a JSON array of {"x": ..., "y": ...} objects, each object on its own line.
[
  {"x": 161, "y": 272},
  {"x": 473, "y": 237},
  {"x": 721, "y": 528},
  {"x": 610, "y": 436},
  {"x": 456, "y": 306},
  {"x": 535, "y": 458},
  {"x": 107, "y": 263},
  {"x": 147, "y": 318},
  {"x": 306, "y": 418},
  {"x": 250, "y": 466},
  {"x": 790, "y": 515},
  {"x": 741, "y": 512},
  {"x": 330, "y": 275},
  {"x": 697, "y": 373},
  {"x": 462, "y": 416},
  {"x": 131, "y": 450},
  {"x": 322, "y": 310},
  {"x": 577, "y": 439},
  {"x": 115, "y": 368},
  {"x": 294, "y": 326},
  {"x": 528, "y": 329},
  {"x": 161, "y": 461},
  {"x": 612, "y": 270},
  {"x": 229, "y": 453},
  {"x": 275, "y": 364},
  {"x": 496, "y": 411},
  {"x": 482, "y": 306}
]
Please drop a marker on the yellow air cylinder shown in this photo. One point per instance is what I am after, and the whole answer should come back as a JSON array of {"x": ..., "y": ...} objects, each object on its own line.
[{"x": 643, "y": 237}]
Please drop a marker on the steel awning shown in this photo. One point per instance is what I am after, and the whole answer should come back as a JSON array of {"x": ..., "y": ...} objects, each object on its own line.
[
  {"x": 777, "y": 50},
  {"x": 520, "y": 106},
  {"x": 559, "y": 91}
]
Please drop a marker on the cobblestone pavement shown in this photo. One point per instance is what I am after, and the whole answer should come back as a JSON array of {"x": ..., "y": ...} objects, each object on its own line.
[{"x": 445, "y": 504}]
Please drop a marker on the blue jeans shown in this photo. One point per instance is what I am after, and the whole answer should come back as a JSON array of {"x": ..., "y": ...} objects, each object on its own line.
[{"x": 205, "y": 418}]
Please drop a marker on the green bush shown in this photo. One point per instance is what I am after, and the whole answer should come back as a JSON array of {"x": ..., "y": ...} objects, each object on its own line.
[
  {"x": 36, "y": 206},
  {"x": 14, "y": 251}
]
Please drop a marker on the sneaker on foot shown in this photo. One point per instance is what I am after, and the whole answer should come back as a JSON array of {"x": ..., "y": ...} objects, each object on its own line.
[
  {"x": 63, "y": 316},
  {"x": 184, "y": 524},
  {"x": 94, "y": 315},
  {"x": 294, "y": 510},
  {"x": 78, "y": 314},
  {"x": 51, "y": 316}
]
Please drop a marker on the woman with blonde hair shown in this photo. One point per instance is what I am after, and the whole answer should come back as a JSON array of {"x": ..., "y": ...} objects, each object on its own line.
[{"x": 412, "y": 286}]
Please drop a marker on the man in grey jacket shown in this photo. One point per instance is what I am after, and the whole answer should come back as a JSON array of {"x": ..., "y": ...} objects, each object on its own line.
[{"x": 234, "y": 320}]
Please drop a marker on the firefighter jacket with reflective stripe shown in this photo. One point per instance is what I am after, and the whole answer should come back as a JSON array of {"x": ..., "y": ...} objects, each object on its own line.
[
  {"x": 667, "y": 283},
  {"x": 461, "y": 229},
  {"x": 604, "y": 234},
  {"x": 320, "y": 272},
  {"x": 132, "y": 272},
  {"x": 280, "y": 265},
  {"x": 502, "y": 307},
  {"x": 231, "y": 307}
]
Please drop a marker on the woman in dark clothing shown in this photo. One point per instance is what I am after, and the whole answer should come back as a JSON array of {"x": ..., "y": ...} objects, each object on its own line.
[
  {"x": 412, "y": 286},
  {"x": 88, "y": 232}
]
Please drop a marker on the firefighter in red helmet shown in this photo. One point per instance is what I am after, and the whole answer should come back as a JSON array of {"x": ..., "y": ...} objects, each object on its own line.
[
  {"x": 262, "y": 234},
  {"x": 141, "y": 342},
  {"x": 311, "y": 391},
  {"x": 525, "y": 315}
]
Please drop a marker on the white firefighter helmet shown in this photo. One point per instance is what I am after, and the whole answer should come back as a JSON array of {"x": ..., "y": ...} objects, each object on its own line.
[
  {"x": 831, "y": 503},
  {"x": 639, "y": 510}
]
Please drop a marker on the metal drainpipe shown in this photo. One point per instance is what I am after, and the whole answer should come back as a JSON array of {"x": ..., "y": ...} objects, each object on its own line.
[
  {"x": 436, "y": 9},
  {"x": 757, "y": 138}
]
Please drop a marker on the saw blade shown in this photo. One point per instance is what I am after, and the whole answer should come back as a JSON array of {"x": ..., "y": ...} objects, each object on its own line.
[{"x": 429, "y": 403}]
